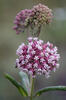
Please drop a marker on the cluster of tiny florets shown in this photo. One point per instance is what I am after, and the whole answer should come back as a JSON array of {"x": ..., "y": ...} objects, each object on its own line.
[
  {"x": 41, "y": 14},
  {"x": 37, "y": 57},
  {"x": 35, "y": 17},
  {"x": 20, "y": 20}
]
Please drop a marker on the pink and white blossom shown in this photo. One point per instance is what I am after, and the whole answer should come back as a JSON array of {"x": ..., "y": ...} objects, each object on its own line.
[{"x": 37, "y": 58}]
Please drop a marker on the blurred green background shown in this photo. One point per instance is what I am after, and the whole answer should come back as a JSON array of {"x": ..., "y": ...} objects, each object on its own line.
[{"x": 9, "y": 42}]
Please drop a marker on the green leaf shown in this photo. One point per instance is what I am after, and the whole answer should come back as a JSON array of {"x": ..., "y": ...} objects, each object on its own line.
[
  {"x": 16, "y": 84},
  {"x": 51, "y": 88},
  {"x": 25, "y": 81}
]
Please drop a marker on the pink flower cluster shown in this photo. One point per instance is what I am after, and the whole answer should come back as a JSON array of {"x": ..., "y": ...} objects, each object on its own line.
[
  {"x": 41, "y": 14},
  {"x": 20, "y": 20},
  {"x": 35, "y": 17},
  {"x": 37, "y": 57}
]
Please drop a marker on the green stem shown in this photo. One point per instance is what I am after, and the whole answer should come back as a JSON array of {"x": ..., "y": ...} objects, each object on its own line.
[{"x": 32, "y": 86}]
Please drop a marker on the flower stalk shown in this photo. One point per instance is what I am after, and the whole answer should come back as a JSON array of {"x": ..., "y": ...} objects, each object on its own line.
[{"x": 32, "y": 87}]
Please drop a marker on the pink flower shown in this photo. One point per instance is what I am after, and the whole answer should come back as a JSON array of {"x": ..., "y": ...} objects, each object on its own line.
[
  {"x": 33, "y": 18},
  {"x": 37, "y": 57},
  {"x": 20, "y": 20},
  {"x": 41, "y": 14}
]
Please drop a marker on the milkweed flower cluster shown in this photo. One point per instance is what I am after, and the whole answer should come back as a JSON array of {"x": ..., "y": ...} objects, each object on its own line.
[
  {"x": 20, "y": 20},
  {"x": 41, "y": 14},
  {"x": 35, "y": 17},
  {"x": 37, "y": 57}
]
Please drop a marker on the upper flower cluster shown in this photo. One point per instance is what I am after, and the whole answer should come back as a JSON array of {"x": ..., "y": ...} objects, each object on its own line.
[
  {"x": 41, "y": 14},
  {"x": 20, "y": 21},
  {"x": 35, "y": 17},
  {"x": 37, "y": 57}
]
